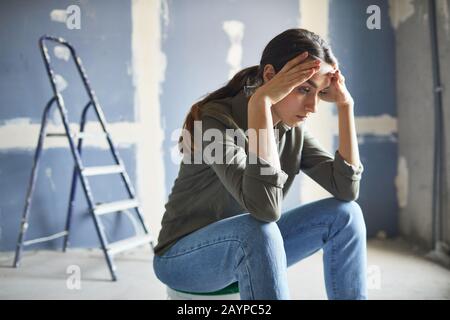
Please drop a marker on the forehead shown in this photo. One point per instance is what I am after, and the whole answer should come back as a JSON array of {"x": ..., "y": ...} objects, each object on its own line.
[{"x": 321, "y": 80}]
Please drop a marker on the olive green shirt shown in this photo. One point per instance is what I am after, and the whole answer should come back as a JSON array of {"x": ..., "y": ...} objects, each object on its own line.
[{"x": 207, "y": 191}]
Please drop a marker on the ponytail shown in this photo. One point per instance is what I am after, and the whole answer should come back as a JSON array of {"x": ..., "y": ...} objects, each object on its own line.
[{"x": 247, "y": 79}]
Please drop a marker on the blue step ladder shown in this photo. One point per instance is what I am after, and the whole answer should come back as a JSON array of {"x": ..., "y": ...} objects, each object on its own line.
[{"x": 80, "y": 171}]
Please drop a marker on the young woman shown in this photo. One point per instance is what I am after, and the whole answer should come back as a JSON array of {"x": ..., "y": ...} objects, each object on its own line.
[{"x": 223, "y": 220}]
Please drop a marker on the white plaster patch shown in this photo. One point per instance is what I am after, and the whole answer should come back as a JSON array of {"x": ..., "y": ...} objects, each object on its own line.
[
  {"x": 378, "y": 128},
  {"x": 315, "y": 17},
  {"x": 1, "y": 223},
  {"x": 442, "y": 8},
  {"x": 55, "y": 117},
  {"x": 48, "y": 173},
  {"x": 400, "y": 11},
  {"x": 384, "y": 125},
  {"x": 61, "y": 83},
  {"x": 401, "y": 182},
  {"x": 235, "y": 32},
  {"x": 24, "y": 135},
  {"x": 323, "y": 125},
  {"x": 376, "y": 139},
  {"x": 162, "y": 71},
  {"x": 61, "y": 52},
  {"x": 58, "y": 15},
  {"x": 149, "y": 67},
  {"x": 129, "y": 68},
  {"x": 17, "y": 122},
  {"x": 164, "y": 16}
]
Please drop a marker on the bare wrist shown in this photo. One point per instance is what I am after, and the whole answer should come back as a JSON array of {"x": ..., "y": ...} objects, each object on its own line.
[
  {"x": 260, "y": 99},
  {"x": 345, "y": 105}
]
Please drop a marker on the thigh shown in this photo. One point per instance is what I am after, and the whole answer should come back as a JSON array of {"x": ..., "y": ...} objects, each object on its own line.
[
  {"x": 305, "y": 228},
  {"x": 205, "y": 260}
]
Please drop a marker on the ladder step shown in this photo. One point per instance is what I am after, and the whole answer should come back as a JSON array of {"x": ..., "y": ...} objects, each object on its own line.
[
  {"x": 56, "y": 134},
  {"x": 79, "y": 135},
  {"x": 96, "y": 171},
  {"x": 130, "y": 243},
  {"x": 115, "y": 206},
  {"x": 44, "y": 239}
]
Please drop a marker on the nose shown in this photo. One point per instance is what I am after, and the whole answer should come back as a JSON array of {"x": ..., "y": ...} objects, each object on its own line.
[{"x": 311, "y": 106}]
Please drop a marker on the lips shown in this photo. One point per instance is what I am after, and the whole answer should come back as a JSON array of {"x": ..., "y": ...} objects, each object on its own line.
[{"x": 301, "y": 117}]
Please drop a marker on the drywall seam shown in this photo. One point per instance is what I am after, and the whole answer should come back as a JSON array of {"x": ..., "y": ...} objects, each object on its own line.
[
  {"x": 235, "y": 32},
  {"x": 442, "y": 8},
  {"x": 24, "y": 135},
  {"x": 401, "y": 182},
  {"x": 58, "y": 15},
  {"x": 149, "y": 65},
  {"x": 383, "y": 125},
  {"x": 314, "y": 17},
  {"x": 400, "y": 11}
]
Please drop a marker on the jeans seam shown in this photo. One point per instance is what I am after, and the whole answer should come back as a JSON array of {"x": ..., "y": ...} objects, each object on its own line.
[
  {"x": 248, "y": 272},
  {"x": 333, "y": 262},
  {"x": 200, "y": 246},
  {"x": 332, "y": 270}
]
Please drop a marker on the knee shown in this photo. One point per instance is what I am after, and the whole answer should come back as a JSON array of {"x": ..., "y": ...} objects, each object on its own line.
[
  {"x": 352, "y": 216},
  {"x": 259, "y": 233}
]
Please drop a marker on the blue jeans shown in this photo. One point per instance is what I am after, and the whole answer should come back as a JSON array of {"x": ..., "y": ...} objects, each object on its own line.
[{"x": 257, "y": 254}]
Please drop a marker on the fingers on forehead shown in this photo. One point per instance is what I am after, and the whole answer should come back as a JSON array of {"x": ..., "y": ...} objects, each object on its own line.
[{"x": 323, "y": 81}]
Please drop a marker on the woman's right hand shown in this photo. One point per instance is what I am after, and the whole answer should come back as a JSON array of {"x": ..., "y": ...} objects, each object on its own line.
[{"x": 294, "y": 73}]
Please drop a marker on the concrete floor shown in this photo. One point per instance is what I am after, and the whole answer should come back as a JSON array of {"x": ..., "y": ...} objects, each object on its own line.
[{"x": 396, "y": 271}]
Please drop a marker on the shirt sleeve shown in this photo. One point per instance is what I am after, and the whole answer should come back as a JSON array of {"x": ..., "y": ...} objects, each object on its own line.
[
  {"x": 255, "y": 184},
  {"x": 334, "y": 174}
]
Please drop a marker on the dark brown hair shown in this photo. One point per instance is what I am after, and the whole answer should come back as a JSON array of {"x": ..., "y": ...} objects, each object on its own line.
[{"x": 277, "y": 52}]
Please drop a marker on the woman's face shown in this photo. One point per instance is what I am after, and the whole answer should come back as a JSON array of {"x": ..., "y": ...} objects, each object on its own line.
[{"x": 298, "y": 105}]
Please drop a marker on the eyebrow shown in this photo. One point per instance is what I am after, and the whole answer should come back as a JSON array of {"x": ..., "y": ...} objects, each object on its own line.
[{"x": 312, "y": 83}]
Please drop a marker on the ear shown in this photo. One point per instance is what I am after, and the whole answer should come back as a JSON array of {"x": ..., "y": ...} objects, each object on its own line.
[{"x": 268, "y": 73}]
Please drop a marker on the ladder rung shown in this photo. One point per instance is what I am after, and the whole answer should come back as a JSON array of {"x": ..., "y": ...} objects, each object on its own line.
[
  {"x": 115, "y": 206},
  {"x": 130, "y": 243},
  {"x": 79, "y": 135},
  {"x": 96, "y": 171},
  {"x": 56, "y": 134},
  {"x": 52, "y": 237}
]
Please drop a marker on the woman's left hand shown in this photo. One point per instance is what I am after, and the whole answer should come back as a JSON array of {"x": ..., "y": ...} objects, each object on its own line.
[{"x": 338, "y": 92}]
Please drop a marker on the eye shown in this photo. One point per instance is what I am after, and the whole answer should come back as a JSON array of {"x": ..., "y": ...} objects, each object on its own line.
[
  {"x": 304, "y": 90},
  {"x": 323, "y": 92}
]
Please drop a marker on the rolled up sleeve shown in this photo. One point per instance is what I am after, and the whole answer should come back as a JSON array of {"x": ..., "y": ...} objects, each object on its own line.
[
  {"x": 256, "y": 185},
  {"x": 334, "y": 174},
  {"x": 346, "y": 169}
]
